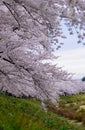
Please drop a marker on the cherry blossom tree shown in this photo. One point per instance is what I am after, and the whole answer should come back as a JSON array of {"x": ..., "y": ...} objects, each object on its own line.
[{"x": 29, "y": 29}]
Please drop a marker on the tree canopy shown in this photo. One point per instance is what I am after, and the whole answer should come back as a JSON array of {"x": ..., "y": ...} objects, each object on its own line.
[{"x": 28, "y": 31}]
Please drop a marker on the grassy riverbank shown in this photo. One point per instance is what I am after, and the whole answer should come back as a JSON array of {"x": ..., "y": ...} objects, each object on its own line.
[{"x": 27, "y": 114}]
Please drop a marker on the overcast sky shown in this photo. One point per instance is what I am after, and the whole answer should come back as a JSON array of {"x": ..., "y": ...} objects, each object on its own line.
[
  {"x": 72, "y": 56},
  {"x": 73, "y": 61}
]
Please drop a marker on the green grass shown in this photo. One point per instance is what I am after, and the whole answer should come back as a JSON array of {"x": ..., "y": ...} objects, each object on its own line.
[
  {"x": 27, "y": 114},
  {"x": 73, "y": 107}
]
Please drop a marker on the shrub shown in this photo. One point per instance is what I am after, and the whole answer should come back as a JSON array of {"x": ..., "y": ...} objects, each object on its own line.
[{"x": 83, "y": 79}]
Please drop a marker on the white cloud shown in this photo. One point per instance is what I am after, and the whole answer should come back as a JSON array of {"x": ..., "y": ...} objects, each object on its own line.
[{"x": 72, "y": 61}]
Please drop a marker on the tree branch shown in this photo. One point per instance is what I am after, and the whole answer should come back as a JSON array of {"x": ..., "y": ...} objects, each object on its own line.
[{"x": 12, "y": 11}]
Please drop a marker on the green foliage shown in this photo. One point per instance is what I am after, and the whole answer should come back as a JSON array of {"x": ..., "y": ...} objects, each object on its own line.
[
  {"x": 27, "y": 114},
  {"x": 83, "y": 79},
  {"x": 73, "y": 107}
]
